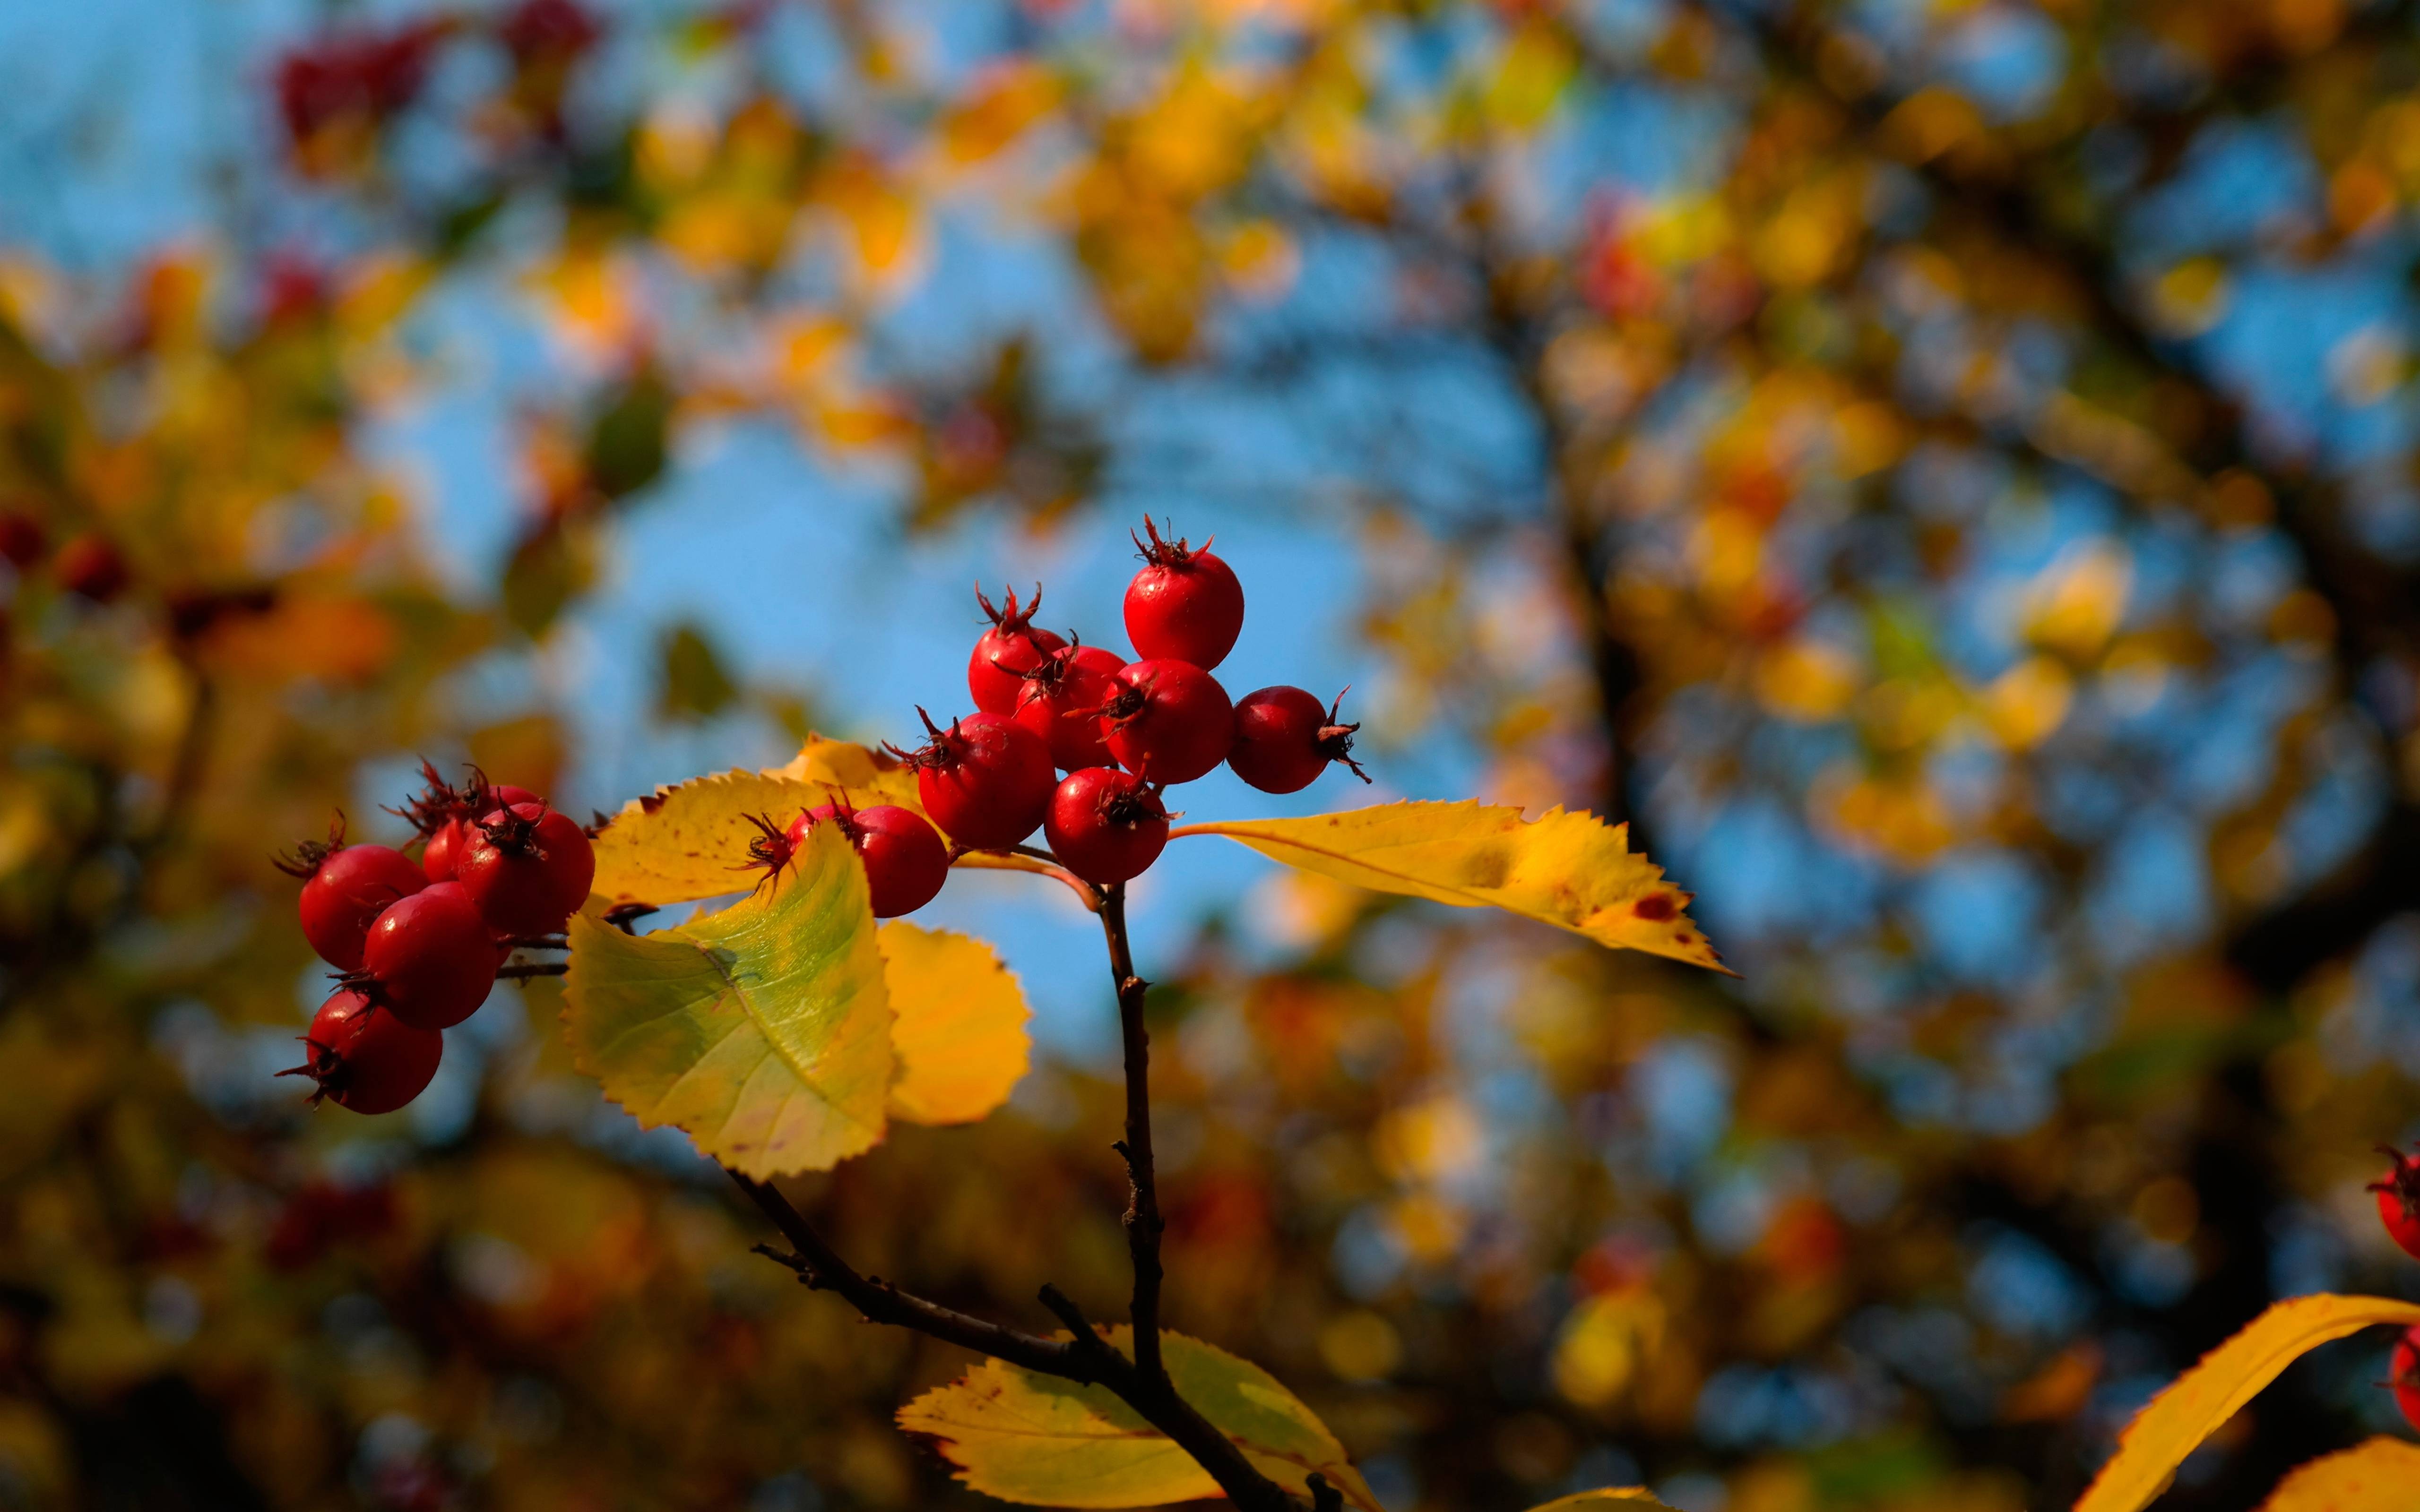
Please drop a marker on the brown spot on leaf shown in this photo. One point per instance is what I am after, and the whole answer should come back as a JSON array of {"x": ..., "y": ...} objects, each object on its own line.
[{"x": 1654, "y": 907}]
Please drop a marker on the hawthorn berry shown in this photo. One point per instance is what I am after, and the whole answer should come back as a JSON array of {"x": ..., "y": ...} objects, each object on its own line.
[
  {"x": 1011, "y": 648},
  {"x": 366, "y": 1059},
  {"x": 1184, "y": 604},
  {"x": 1284, "y": 739},
  {"x": 344, "y": 888},
  {"x": 1105, "y": 825},
  {"x": 430, "y": 959},
  {"x": 2398, "y": 1200},
  {"x": 1060, "y": 701},
  {"x": 906, "y": 862},
  {"x": 443, "y": 853},
  {"x": 985, "y": 780},
  {"x": 90, "y": 567},
  {"x": 527, "y": 866},
  {"x": 2403, "y": 1374},
  {"x": 1167, "y": 721}
]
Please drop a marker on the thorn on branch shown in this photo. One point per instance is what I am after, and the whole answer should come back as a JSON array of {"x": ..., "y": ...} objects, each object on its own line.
[{"x": 807, "y": 1276}]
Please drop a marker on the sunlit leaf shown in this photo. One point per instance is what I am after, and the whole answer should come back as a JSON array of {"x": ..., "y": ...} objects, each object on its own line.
[
  {"x": 690, "y": 842},
  {"x": 1569, "y": 869},
  {"x": 959, "y": 1033},
  {"x": 1047, "y": 1443},
  {"x": 2195, "y": 1403},
  {"x": 2381, "y": 1475},
  {"x": 763, "y": 1030},
  {"x": 868, "y": 776},
  {"x": 1632, "y": 1497}
]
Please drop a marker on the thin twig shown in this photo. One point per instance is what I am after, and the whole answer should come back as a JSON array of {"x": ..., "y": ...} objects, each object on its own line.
[
  {"x": 521, "y": 969},
  {"x": 539, "y": 942},
  {"x": 1144, "y": 1224}
]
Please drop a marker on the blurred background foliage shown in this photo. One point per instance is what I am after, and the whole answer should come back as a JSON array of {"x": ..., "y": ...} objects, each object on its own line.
[{"x": 1943, "y": 473}]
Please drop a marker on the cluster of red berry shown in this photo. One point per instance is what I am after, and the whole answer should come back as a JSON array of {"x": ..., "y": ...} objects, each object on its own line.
[
  {"x": 1123, "y": 732},
  {"x": 419, "y": 942},
  {"x": 2398, "y": 1208}
]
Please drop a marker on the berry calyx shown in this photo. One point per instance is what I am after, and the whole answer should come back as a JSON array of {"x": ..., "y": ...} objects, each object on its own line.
[
  {"x": 364, "y": 1057},
  {"x": 906, "y": 862},
  {"x": 2398, "y": 1200},
  {"x": 1184, "y": 605},
  {"x": 527, "y": 868},
  {"x": 446, "y": 815},
  {"x": 985, "y": 781},
  {"x": 1060, "y": 701},
  {"x": 1105, "y": 825},
  {"x": 2403, "y": 1375},
  {"x": 1167, "y": 722},
  {"x": 429, "y": 960},
  {"x": 1284, "y": 739},
  {"x": 344, "y": 888},
  {"x": 997, "y": 667}
]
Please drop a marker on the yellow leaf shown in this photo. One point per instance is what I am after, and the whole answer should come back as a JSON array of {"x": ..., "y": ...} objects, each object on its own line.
[
  {"x": 763, "y": 1030},
  {"x": 2377, "y": 1476},
  {"x": 1569, "y": 869},
  {"x": 1631, "y": 1497},
  {"x": 867, "y": 777},
  {"x": 690, "y": 842},
  {"x": 1043, "y": 1442},
  {"x": 959, "y": 1032},
  {"x": 2198, "y": 1402}
]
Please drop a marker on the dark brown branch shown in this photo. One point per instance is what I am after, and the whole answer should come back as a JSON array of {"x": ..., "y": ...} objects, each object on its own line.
[
  {"x": 1144, "y": 1224},
  {"x": 521, "y": 969}
]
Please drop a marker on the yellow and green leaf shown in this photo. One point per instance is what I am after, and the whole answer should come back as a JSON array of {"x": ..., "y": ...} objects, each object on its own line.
[
  {"x": 1569, "y": 869},
  {"x": 960, "y": 1026},
  {"x": 2195, "y": 1404},
  {"x": 1046, "y": 1442},
  {"x": 763, "y": 1031},
  {"x": 2381, "y": 1475}
]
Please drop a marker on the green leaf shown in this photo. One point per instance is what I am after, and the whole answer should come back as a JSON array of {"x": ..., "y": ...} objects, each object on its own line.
[
  {"x": 1046, "y": 1442},
  {"x": 764, "y": 1031},
  {"x": 694, "y": 683}
]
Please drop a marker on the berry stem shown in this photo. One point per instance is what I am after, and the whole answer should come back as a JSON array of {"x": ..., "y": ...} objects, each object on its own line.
[{"x": 532, "y": 968}]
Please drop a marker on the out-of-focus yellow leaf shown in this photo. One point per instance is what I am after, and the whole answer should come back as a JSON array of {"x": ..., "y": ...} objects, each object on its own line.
[
  {"x": 764, "y": 1031},
  {"x": 2383, "y": 1475},
  {"x": 1569, "y": 869},
  {"x": 1603, "y": 1343},
  {"x": 1047, "y": 1443},
  {"x": 1629, "y": 1497},
  {"x": 959, "y": 1030},
  {"x": 2198, "y": 1402}
]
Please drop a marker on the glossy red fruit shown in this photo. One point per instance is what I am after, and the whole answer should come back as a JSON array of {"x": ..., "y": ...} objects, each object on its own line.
[
  {"x": 87, "y": 565},
  {"x": 906, "y": 861},
  {"x": 985, "y": 780},
  {"x": 366, "y": 1059},
  {"x": 344, "y": 888},
  {"x": 452, "y": 835},
  {"x": 997, "y": 667},
  {"x": 1062, "y": 702},
  {"x": 1284, "y": 739},
  {"x": 2403, "y": 1374},
  {"x": 1184, "y": 604},
  {"x": 528, "y": 868},
  {"x": 1169, "y": 721},
  {"x": 430, "y": 959},
  {"x": 1105, "y": 825},
  {"x": 2398, "y": 1200}
]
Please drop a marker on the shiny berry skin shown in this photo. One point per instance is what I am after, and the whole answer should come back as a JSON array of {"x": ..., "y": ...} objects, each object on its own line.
[
  {"x": 1169, "y": 721},
  {"x": 985, "y": 780},
  {"x": 90, "y": 567},
  {"x": 1105, "y": 825},
  {"x": 366, "y": 1059},
  {"x": 528, "y": 868},
  {"x": 1062, "y": 699},
  {"x": 1184, "y": 604},
  {"x": 1284, "y": 739},
  {"x": 906, "y": 862},
  {"x": 2403, "y": 1374},
  {"x": 430, "y": 958},
  {"x": 451, "y": 837},
  {"x": 997, "y": 667},
  {"x": 345, "y": 888},
  {"x": 2398, "y": 1200}
]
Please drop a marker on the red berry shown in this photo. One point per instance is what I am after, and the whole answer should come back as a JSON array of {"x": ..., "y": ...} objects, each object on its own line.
[
  {"x": 1060, "y": 702},
  {"x": 1184, "y": 605},
  {"x": 906, "y": 862},
  {"x": 451, "y": 838},
  {"x": 528, "y": 868},
  {"x": 344, "y": 888},
  {"x": 997, "y": 669},
  {"x": 90, "y": 566},
  {"x": 363, "y": 1057},
  {"x": 1105, "y": 825},
  {"x": 2403, "y": 1374},
  {"x": 985, "y": 780},
  {"x": 1167, "y": 722},
  {"x": 1284, "y": 739},
  {"x": 430, "y": 958},
  {"x": 2398, "y": 1200}
]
